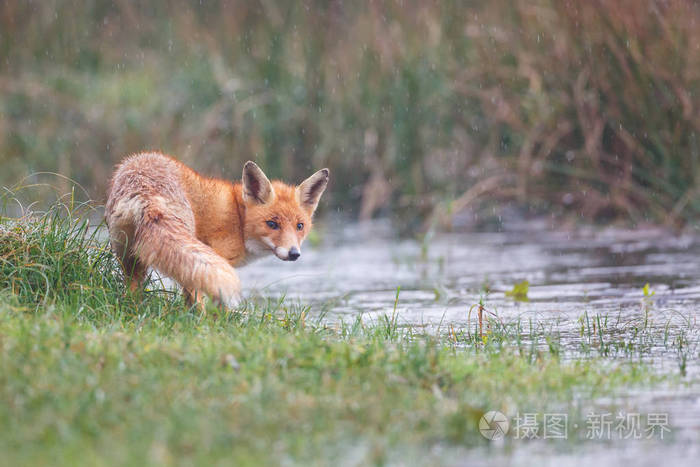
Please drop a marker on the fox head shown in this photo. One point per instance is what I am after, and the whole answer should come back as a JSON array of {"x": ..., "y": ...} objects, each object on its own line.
[{"x": 278, "y": 216}]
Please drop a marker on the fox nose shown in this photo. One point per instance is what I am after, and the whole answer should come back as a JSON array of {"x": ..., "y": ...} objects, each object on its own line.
[{"x": 294, "y": 253}]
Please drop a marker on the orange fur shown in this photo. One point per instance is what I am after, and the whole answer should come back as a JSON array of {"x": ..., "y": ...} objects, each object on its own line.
[{"x": 195, "y": 229}]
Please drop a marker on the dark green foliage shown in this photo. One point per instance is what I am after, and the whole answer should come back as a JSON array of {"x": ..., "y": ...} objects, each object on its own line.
[{"x": 584, "y": 107}]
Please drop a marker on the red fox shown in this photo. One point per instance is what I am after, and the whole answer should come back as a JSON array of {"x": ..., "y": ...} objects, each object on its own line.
[{"x": 194, "y": 229}]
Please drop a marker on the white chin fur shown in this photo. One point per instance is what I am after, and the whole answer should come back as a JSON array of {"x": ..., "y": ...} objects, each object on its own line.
[
  {"x": 282, "y": 253},
  {"x": 256, "y": 249}
]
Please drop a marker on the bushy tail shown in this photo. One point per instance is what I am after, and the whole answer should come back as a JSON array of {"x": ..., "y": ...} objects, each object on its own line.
[{"x": 166, "y": 244}]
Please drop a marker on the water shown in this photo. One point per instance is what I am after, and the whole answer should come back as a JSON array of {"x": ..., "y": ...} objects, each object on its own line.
[
  {"x": 359, "y": 269},
  {"x": 577, "y": 280}
]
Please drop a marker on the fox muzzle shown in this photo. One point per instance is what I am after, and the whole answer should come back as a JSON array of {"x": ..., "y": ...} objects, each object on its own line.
[{"x": 291, "y": 254}]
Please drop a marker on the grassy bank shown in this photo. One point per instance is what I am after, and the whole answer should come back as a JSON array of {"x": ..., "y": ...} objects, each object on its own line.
[
  {"x": 420, "y": 109},
  {"x": 91, "y": 375}
]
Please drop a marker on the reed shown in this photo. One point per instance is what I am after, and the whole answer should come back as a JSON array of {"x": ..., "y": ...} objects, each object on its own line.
[{"x": 421, "y": 109}]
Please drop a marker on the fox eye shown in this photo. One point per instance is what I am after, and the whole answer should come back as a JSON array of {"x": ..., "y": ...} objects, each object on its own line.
[
  {"x": 300, "y": 226},
  {"x": 273, "y": 225}
]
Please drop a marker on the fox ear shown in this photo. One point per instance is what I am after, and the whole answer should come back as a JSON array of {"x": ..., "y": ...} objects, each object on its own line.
[
  {"x": 311, "y": 189},
  {"x": 256, "y": 186}
]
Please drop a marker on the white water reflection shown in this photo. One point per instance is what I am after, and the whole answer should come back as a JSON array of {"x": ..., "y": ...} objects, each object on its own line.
[{"x": 361, "y": 267}]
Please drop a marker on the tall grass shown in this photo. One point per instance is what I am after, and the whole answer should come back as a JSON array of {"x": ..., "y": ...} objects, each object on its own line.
[{"x": 419, "y": 108}]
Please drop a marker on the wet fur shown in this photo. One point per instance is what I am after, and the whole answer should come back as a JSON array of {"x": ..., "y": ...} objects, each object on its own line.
[{"x": 195, "y": 229}]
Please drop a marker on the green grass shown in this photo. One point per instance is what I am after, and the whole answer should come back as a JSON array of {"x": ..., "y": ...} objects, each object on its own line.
[{"x": 92, "y": 375}]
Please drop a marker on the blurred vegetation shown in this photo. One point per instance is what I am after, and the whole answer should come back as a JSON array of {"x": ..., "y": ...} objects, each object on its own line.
[{"x": 422, "y": 110}]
